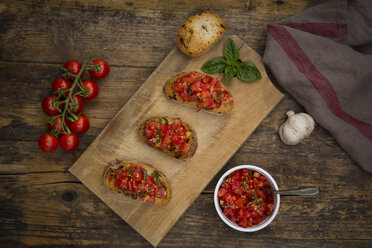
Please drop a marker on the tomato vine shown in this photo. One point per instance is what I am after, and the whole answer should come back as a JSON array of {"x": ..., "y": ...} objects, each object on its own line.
[{"x": 67, "y": 98}]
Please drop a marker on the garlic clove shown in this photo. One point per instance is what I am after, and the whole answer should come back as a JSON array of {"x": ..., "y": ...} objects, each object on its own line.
[{"x": 296, "y": 128}]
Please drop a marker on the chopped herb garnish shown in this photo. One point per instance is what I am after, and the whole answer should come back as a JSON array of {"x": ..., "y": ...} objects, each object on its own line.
[
  {"x": 134, "y": 195},
  {"x": 157, "y": 142},
  {"x": 130, "y": 171},
  {"x": 144, "y": 176},
  {"x": 165, "y": 187},
  {"x": 165, "y": 119},
  {"x": 254, "y": 201},
  {"x": 189, "y": 92},
  {"x": 156, "y": 176},
  {"x": 245, "y": 187},
  {"x": 157, "y": 131},
  {"x": 223, "y": 206},
  {"x": 217, "y": 99},
  {"x": 255, "y": 195},
  {"x": 158, "y": 181}
]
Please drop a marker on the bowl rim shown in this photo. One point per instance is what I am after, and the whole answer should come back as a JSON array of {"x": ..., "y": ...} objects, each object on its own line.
[{"x": 263, "y": 224}]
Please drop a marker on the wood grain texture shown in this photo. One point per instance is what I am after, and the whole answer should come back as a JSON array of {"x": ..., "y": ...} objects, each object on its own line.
[
  {"x": 42, "y": 204},
  {"x": 218, "y": 138}
]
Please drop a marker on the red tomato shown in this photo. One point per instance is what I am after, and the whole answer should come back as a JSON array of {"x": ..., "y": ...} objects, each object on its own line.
[
  {"x": 80, "y": 104},
  {"x": 57, "y": 124},
  {"x": 81, "y": 125},
  {"x": 47, "y": 105},
  {"x": 61, "y": 83},
  {"x": 48, "y": 142},
  {"x": 69, "y": 142},
  {"x": 74, "y": 66},
  {"x": 92, "y": 87},
  {"x": 105, "y": 69}
]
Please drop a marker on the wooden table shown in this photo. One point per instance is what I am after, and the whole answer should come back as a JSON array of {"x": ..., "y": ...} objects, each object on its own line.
[{"x": 43, "y": 204}]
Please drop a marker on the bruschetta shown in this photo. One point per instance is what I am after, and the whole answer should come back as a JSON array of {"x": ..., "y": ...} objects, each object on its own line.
[
  {"x": 170, "y": 135},
  {"x": 200, "y": 90},
  {"x": 139, "y": 181}
]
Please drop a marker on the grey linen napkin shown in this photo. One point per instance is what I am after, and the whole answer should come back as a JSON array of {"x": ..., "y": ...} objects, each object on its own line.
[{"x": 323, "y": 58}]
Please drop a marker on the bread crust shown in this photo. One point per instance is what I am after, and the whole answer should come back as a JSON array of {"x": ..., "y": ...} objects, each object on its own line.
[
  {"x": 199, "y": 32},
  {"x": 225, "y": 108},
  {"x": 119, "y": 165},
  {"x": 192, "y": 140}
]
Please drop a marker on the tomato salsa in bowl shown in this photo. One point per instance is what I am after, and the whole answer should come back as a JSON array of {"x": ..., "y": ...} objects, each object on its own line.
[{"x": 244, "y": 198}]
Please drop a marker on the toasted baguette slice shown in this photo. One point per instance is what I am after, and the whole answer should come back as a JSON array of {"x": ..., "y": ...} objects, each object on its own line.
[
  {"x": 115, "y": 166},
  {"x": 197, "y": 33},
  {"x": 225, "y": 108},
  {"x": 191, "y": 140}
]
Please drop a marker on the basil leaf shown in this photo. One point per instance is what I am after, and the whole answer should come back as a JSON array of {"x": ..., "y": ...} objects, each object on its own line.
[
  {"x": 230, "y": 72},
  {"x": 247, "y": 71},
  {"x": 214, "y": 65},
  {"x": 231, "y": 50}
]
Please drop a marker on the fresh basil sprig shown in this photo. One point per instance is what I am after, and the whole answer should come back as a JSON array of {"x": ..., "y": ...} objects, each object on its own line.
[{"x": 231, "y": 65}]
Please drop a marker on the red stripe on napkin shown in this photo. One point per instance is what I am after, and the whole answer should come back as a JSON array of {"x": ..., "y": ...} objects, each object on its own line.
[
  {"x": 328, "y": 30},
  {"x": 318, "y": 80}
]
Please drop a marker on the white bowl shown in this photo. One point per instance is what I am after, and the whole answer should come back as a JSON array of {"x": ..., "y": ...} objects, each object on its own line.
[{"x": 276, "y": 198}]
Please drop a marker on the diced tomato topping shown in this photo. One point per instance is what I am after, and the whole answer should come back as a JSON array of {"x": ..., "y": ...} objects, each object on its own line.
[
  {"x": 246, "y": 198},
  {"x": 134, "y": 181},
  {"x": 149, "y": 133},
  {"x": 207, "y": 91},
  {"x": 167, "y": 135}
]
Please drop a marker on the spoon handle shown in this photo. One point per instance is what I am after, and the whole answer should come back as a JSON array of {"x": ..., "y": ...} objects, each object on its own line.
[{"x": 300, "y": 192}]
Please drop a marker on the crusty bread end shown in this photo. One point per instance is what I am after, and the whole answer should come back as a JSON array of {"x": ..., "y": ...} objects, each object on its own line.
[
  {"x": 198, "y": 33},
  {"x": 121, "y": 165}
]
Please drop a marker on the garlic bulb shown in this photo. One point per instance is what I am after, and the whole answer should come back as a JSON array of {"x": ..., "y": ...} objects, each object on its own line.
[{"x": 296, "y": 128}]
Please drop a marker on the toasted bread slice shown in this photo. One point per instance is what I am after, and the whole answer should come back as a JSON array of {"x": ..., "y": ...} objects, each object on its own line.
[
  {"x": 190, "y": 139},
  {"x": 116, "y": 166},
  {"x": 197, "y": 33},
  {"x": 225, "y": 108}
]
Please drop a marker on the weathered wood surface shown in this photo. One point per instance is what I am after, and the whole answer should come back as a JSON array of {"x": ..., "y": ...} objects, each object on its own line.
[
  {"x": 41, "y": 203},
  {"x": 217, "y": 138}
]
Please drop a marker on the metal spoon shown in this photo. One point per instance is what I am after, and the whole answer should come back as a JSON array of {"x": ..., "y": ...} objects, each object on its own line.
[{"x": 300, "y": 192}]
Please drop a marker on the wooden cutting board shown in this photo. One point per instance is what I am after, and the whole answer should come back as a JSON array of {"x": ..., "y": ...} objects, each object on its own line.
[{"x": 219, "y": 137}]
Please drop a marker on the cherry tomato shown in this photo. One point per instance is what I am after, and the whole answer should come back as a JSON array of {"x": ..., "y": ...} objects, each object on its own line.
[
  {"x": 48, "y": 142},
  {"x": 61, "y": 83},
  {"x": 74, "y": 66},
  {"x": 56, "y": 124},
  {"x": 105, "y": 69},
  {"x": 92, "y": 87},
  {"x": 47, "y": 105},
  {"x": 80, "y": 104},
  {"x": 69, "y": 142},
  {"x": 81, "y": 125}
]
